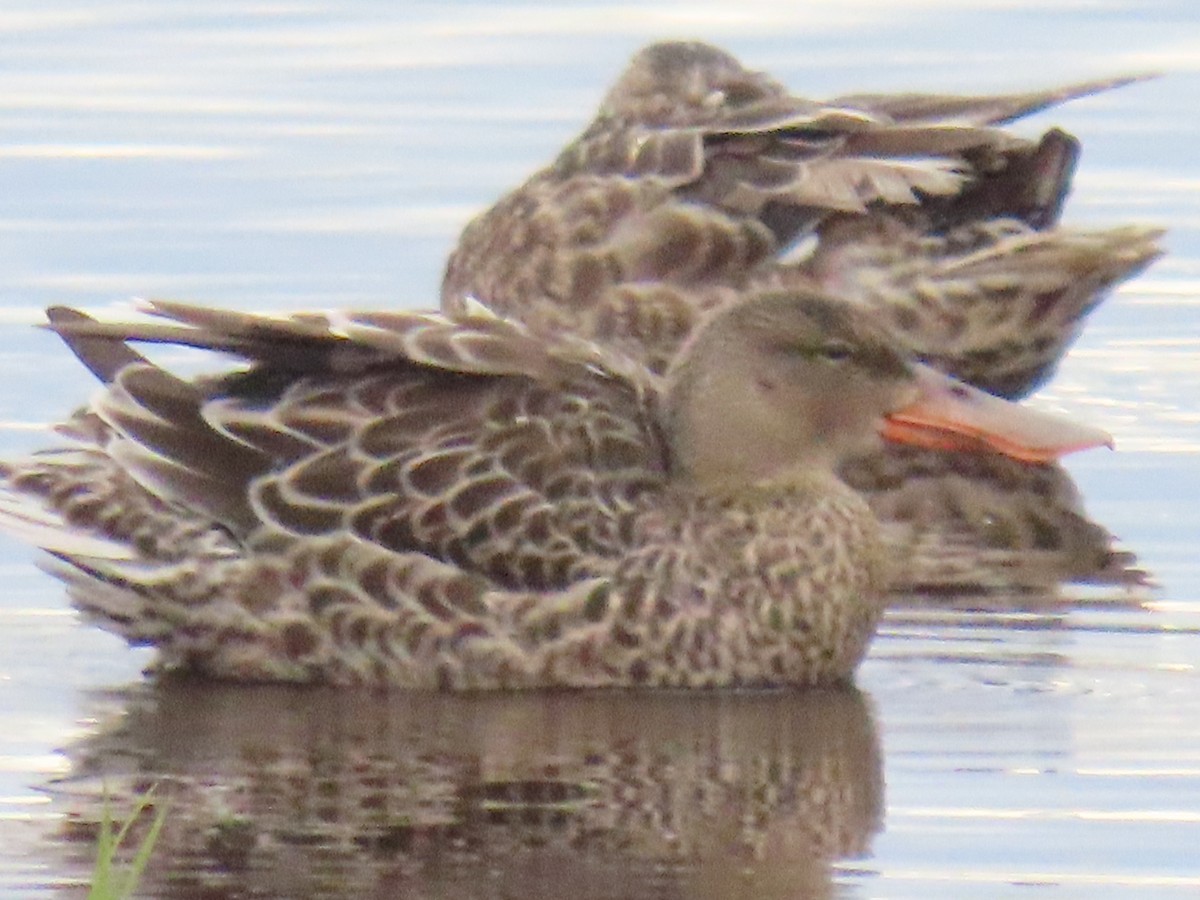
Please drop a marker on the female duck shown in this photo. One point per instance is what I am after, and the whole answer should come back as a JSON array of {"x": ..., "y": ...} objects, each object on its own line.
[
  {"x": 405, "y": 499},
  {"x": 699, "y": 180}
]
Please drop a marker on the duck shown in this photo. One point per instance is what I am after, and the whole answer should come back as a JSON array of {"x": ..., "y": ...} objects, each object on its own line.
[
  {"x": 699, "y": 179},
  {"x": 409, "y": 499}
]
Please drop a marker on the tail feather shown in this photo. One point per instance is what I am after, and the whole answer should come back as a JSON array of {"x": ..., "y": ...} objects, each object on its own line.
[
  {"x": 103, "y": 358},
  {"x": 26, "y": 520},
  {"x": 995, "y": 109}
]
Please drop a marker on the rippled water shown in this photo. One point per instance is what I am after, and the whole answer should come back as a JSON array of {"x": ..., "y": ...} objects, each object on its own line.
[{"x": 287, "y": 154}]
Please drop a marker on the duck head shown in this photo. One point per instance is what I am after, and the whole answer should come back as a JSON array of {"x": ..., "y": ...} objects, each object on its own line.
[
  {"x": 794, "y": 380},
  {"x": 684, "y": 82}
]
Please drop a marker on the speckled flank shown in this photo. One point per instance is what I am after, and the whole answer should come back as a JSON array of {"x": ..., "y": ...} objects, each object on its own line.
[{"x": 699, "y": 179}]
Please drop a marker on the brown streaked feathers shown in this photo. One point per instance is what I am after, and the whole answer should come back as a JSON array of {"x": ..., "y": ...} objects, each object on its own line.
[{"x": 699, "y": 180}]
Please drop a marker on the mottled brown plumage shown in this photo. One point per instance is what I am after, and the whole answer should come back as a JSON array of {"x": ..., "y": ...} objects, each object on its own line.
[
  {"x": 699, "y": 180},
  {"x": 407, "y": 499},
  {"x": 967, "y": 526}
]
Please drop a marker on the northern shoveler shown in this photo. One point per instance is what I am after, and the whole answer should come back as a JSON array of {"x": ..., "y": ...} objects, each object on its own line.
[{"x": 699, "y": 179}]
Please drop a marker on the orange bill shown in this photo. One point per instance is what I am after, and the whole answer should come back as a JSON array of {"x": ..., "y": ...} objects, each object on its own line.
[{"x": 950, "y": 415}]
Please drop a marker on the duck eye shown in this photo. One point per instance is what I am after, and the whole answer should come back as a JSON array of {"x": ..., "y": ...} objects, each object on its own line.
[{"x": 836, "y": 351}]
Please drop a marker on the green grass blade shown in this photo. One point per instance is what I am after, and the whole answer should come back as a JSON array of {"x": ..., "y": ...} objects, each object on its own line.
[
  {"x": 142, "y": 857},
  {"x": 102, "y": 888},
  {"x": 108, "y": 881}
]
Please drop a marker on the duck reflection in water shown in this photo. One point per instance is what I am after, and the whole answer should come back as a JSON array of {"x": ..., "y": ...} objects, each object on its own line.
[{"x": 320, "y": 792}]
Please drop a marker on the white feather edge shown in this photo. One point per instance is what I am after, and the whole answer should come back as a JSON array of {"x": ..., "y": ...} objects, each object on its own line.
[{"x": 31, "y": 523}]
